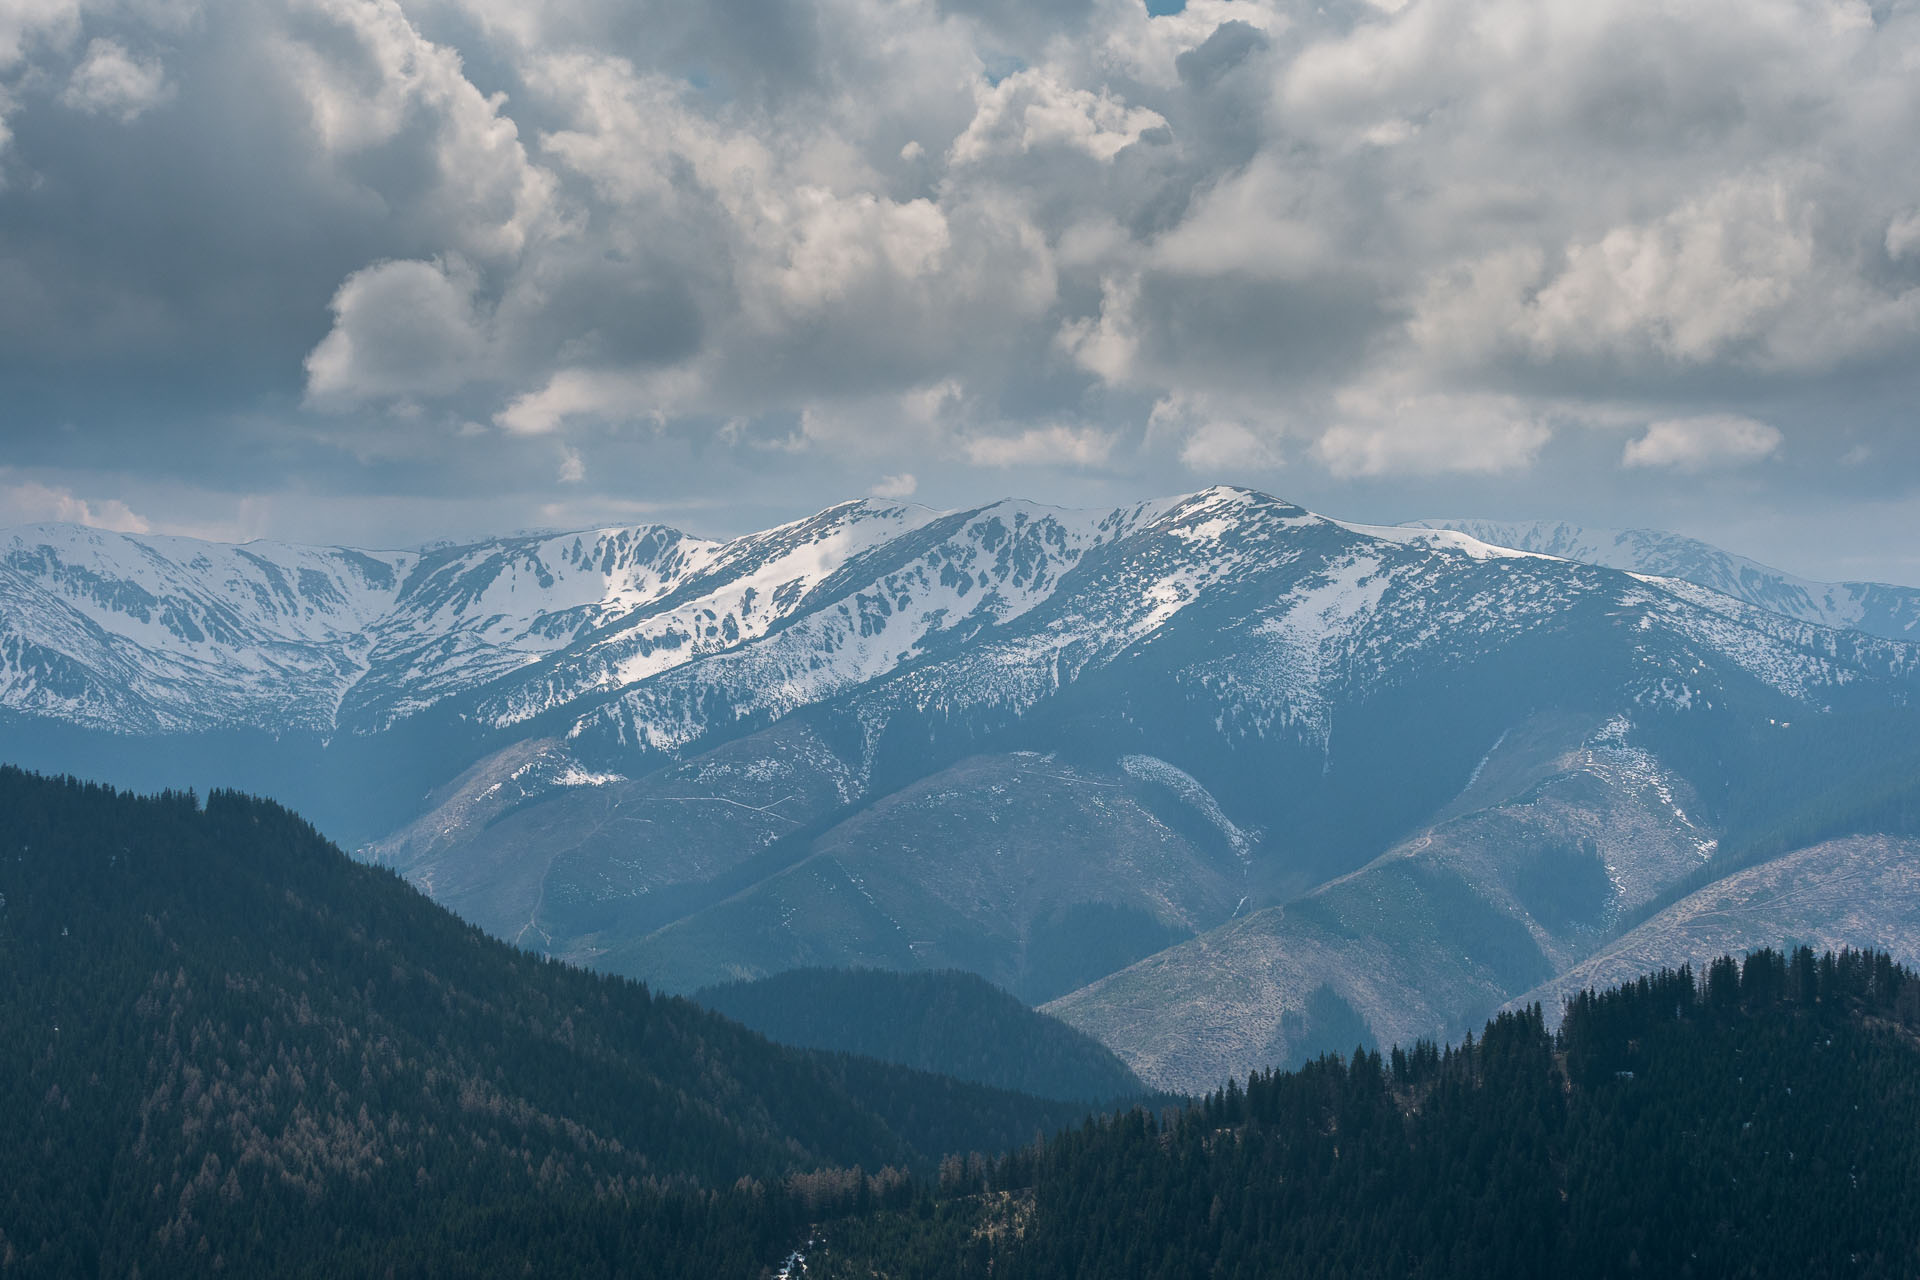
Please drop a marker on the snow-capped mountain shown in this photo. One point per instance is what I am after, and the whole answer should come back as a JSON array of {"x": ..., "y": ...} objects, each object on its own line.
[
  {"x": 154, "y": 634},
  {"x": 150, "y": 634},
  {"x": 1877, "y": 608},
  {"x": 998, "y": 610},
  {"x": 140, "y": 634},
  {"x": 1041, "y": 744}
]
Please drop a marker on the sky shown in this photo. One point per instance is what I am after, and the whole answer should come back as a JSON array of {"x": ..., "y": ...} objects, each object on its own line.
[{"x": 381, "y": 272}]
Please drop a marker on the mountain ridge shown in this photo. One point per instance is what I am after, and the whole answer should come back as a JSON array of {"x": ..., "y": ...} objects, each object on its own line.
[
  {"x": 1885, "y": 609},
  {"x": 338, "y": 639},
  {"x": 1036, "y": 744},
  {"x": 946, "y": 1021}
]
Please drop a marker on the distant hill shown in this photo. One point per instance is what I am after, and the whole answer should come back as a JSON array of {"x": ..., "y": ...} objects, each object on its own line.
[
  {"x": 1757, "y": 1122},
  {"x": 229, "y": 1047},
  {"x": 947, "y": 1021}
]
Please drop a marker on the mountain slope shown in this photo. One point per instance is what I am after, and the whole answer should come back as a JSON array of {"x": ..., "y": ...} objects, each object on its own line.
[
  {"x": 1572, "y": 831},
  {"x": 1565, "y": 826},
  {"x": 946, "y": 1021},
  {"x": 1858, "y": 891},
  {"x": 1876, "y": 608},
  {"x": 1038, "y": 874},
  {"x": 227, "y": 1039},
  {"x": 1036, "y": 744},
  {"x": 151, "y": 634},
  {"x": 170, "y": 634},
  {"x": 1291, "y": 668}
]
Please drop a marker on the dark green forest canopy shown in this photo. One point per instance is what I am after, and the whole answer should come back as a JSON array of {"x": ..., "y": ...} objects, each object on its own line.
[
  {"x": 229, "y": 1043},
  {"x": 1765, "y": 1122}
]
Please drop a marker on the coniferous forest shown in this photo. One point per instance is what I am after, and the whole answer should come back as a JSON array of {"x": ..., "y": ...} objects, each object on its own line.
[
  {"x": 230, "y": 1049},
  {"x": 1763, "y": 1122}
]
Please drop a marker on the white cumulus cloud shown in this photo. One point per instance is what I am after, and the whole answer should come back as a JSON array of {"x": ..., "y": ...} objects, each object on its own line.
[
  {"x": 1385, "y": 243},
  {"x": 1388, "y": 431},
  {"x": 34, "y": 503},
  {"x": 112, "y": 81},
  {"x": 1698, "y": 444},
  {"x": 1049, "y": 446},
  {"x": 1031, "y": 110},
  {"x": 401, "y": 328}
]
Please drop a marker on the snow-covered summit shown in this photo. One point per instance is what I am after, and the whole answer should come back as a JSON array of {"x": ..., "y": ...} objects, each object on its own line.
[{"x": 661, "y": 638}]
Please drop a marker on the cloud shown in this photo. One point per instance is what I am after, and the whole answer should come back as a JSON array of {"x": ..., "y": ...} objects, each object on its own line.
[
  {"x": 1699, "y": 444},
  {"x": 900, "y": 486},
  {"x": 1228, "y": 447},
  {"x": 606, "y": 395},
  {"x": 1686, "y": 286},
  {"x": 1031, "y": 110},
  {"x": 1260, "y": 222},
  {"x": 24, "y": 23},
  {"x": 1107, "y": 343},
  {"x": 111, "y": 81},
  {"x": 377, "y": 89},
  {"x": 1388, "y": 432},
  {"x": 1903, "y": 235},
  {"x": 401, "y": 328},
  {"x": 1443, "y": 242},
  {"x": 34, "y": 503},
  {"x": 1211, "y": 439},
  {"x": 835, "y": 242},
  {"x": 1050, "y": 446}
]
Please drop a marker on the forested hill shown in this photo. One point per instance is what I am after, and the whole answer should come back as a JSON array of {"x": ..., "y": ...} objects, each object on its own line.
[
  {"x": 229, "y": 1046},
  {"x": 949, "y": 1021},
  {"x": 1763, "y": 1123}
]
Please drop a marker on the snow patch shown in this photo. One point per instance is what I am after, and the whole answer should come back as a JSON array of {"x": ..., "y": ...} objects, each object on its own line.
[
  {"x": 1440, "y": 539},
  {"x": 1196, "y": 796},
  {"x": 575, "y": 776},
  {"x": 1608, "y": 752}
]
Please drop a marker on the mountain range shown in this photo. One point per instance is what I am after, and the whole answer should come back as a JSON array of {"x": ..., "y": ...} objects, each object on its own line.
[{"x": 1219, "y": 781}]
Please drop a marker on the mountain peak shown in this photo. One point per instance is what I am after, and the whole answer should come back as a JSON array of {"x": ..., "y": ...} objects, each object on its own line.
[{"x": 1240, "y": 494}]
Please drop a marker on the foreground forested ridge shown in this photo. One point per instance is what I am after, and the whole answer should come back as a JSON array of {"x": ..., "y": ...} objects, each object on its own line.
[
  {"x": 949, "y": 1021},
  {"x": 1764, "y": 1122},
  {"x": 228, "y": 1046},
  {"x": 231, "y": 1049}
]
